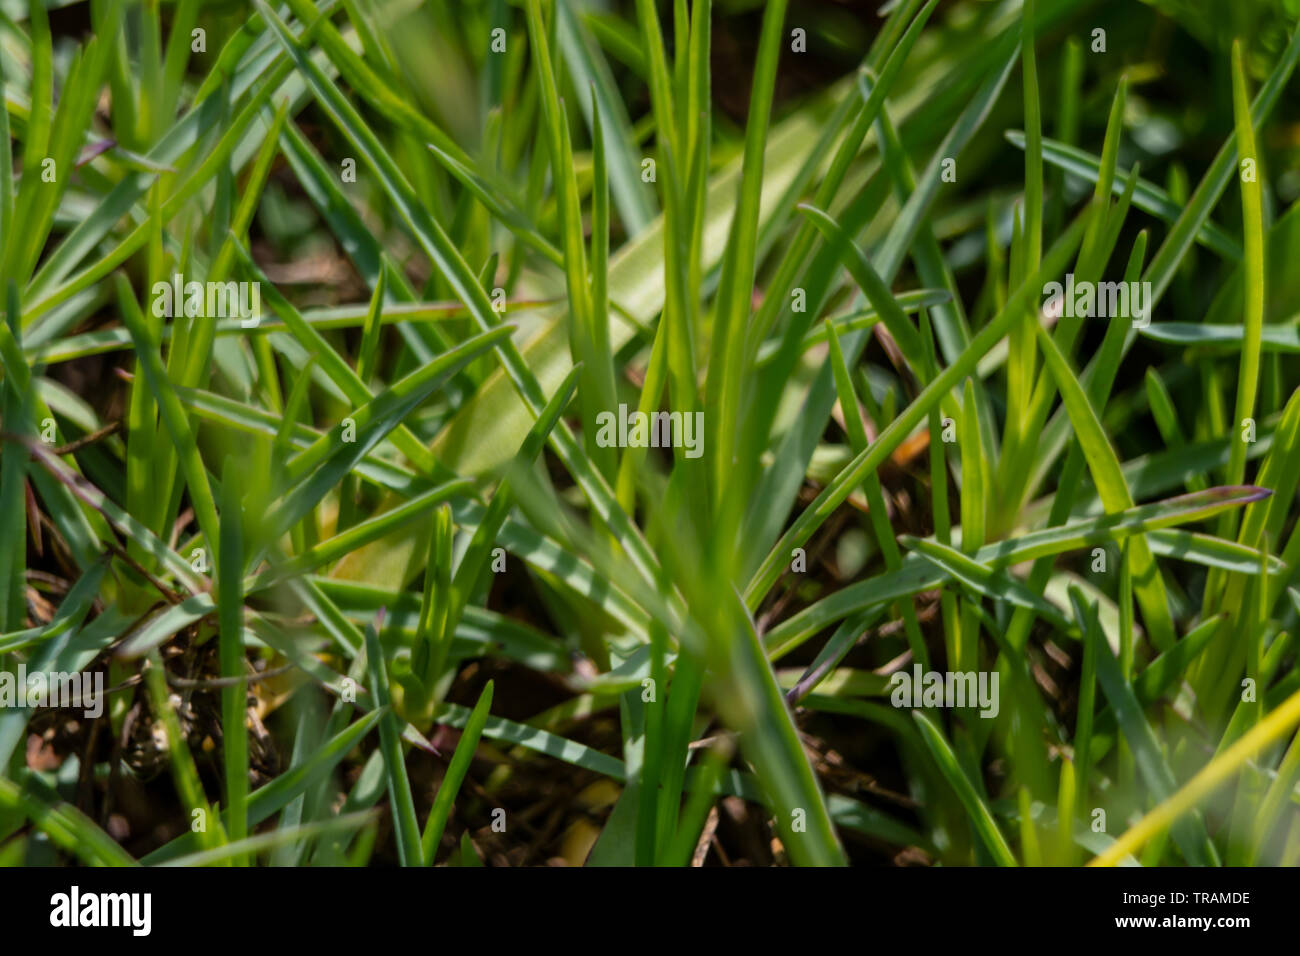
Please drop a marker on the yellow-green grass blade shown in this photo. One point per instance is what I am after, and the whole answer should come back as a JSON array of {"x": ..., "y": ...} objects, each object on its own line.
[
  {"x": 1280, "y": 721},
  {"x": 1160, "y": 272},
  {"x": 728, "y": 355},
  {"x": 1190, "y": 834},
  {"x": 1254, "y": 289},
  {"x": 1021, "y": 357}
]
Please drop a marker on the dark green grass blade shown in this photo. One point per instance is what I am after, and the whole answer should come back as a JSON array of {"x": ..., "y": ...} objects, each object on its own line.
[{"x": 451, "y": 781}]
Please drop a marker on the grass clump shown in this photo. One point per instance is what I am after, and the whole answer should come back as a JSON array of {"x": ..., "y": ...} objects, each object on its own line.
[{"x": 559, "y": 432}]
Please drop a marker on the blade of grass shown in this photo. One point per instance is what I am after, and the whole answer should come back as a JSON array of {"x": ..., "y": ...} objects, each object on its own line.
[
  {"x": 1276, "y": 724},
  {"x": 405, "y": 826},
  {"x": 456, "y": 770},
  {"x": 1148, "y": 585},
  {"x": 981, "y": 818},
  {"x": 853, "y": 474},
  {"x": 65, "y": 825},
  {"x": 1253, "y": 307},
  {"x": 1190, "y": 835},
  {"x": 230, "y": 606}
]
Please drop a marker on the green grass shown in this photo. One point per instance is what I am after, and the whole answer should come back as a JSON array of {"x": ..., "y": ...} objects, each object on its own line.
[{"x": 366, "y": 585}]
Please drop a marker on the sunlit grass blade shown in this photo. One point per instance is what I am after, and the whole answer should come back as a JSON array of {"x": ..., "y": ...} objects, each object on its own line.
[
  {"x": 1279, "y": 722},
  {"x": 1196, "y": 213},
  {"x": 1253, "y": 307},
  {"x": 1159, "y": 779},
  {"x": 725, "y": 389}
]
